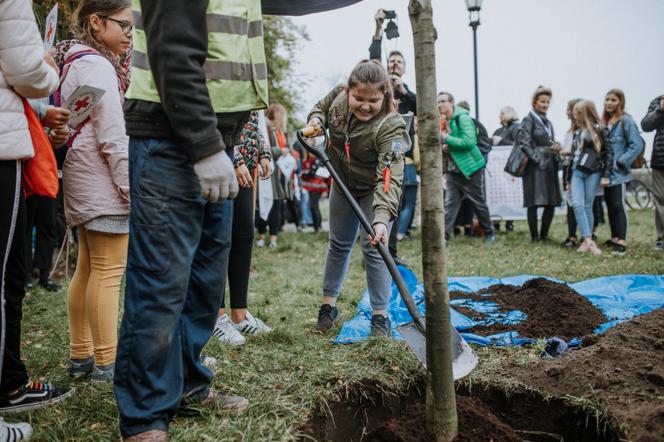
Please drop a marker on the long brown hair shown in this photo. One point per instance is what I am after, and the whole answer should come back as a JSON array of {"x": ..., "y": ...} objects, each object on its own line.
[
  {"x": 372, "y": 74},
  {"x": 80, "y": 27},
  {"x": 570, "y": 109},
  {"x": 606, "y": 117},
  {"x": 589, "y": 121},
  {"x": 277, "y": 116}
]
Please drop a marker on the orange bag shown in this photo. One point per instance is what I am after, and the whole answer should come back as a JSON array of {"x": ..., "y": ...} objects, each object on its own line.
[{"x": 40, "y": 173}]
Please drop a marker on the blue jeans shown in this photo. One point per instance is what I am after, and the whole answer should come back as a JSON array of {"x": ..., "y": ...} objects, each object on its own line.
[
  {"x": 584, "y": 187},
  {"x": 409, "y": 198},
  {"x": 176, "y": 269},
  {"x": 306, "y": 218}
]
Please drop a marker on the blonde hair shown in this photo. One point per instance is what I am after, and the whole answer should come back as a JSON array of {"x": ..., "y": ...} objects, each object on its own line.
[
  {"x": 541, "y": 90},
  {"x": 272, "y": 114},
  {"x": 589, "y": 120}
]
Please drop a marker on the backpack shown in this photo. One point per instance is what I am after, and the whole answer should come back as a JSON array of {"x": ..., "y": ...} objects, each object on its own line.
[
  {"x": 483, "y": 141},
  {"x": 640, "y": 161}
]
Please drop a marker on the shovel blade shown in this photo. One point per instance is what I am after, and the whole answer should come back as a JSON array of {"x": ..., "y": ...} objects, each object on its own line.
[{"x": 464, "y": 359}]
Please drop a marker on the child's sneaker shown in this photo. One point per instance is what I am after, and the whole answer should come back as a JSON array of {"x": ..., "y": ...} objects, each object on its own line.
[
  {"x": 252, "y": 326},
  {"x": 260, "y": 243},
  {"x": 226, "y": 332},
  {"x": 327, "y": 317},
  {"x": 380, "y": 326},
  {"x": 103, "y": 374},
  {"x": 80, "y": 368},
  {"x": 33, "y": 395},
  {"x": 14, "y": 432},
  {"x": 273, "y": 244}
]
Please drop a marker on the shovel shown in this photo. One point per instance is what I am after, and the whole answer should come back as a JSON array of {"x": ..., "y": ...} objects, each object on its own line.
[{"x": 464, "y": 359}]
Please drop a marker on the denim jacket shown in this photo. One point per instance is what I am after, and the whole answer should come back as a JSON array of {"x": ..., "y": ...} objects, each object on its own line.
[{"x": 627, "y": 145}]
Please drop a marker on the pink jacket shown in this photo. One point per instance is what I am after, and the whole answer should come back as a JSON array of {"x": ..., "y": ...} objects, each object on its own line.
[{"x": 96, "y": 169}]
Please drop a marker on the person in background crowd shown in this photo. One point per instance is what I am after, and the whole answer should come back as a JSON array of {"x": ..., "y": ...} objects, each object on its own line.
[
  {"x": 465, "y": 163},
  {"x": 585, "y": 177},
  {"x": 368, "y": 139},
  {"x": 95, "y": 180},
  {"x": 627, "y": 144},
  {"x": 406, "y": 102},
  {"x": 654, "y": 121},
  {"x": 505, "y": 135},
  {"x": 252, "y": 158},
  {"x": 276, "y": 119},
  {"x": 25, "y": 72},
  {"x": 306, "y": 217},
  {"x": 540, "y": 181},
  {"x": 41, "y": 210},
  {"x": 566, "y": 151},
  {"x": 315, "y": 181}
]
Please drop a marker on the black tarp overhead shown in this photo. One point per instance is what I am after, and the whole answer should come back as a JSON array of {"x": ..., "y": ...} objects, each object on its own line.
[{"x": 303, "y": 7}]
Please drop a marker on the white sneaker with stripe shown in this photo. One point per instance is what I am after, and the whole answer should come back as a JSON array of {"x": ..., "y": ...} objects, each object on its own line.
[
  {"x": 14, "y": 432},
  {"x": 251, "y": 326},
  {"x": 225, "y": 331}
]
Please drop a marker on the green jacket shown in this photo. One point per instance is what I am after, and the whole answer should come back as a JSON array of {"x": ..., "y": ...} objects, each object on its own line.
[
  {"x": 462, "y": 142},
  {"x": 372, "y": 145}
]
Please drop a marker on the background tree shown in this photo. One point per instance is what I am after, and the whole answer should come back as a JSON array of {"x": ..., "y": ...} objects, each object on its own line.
[{"x": 441, "y": 401}]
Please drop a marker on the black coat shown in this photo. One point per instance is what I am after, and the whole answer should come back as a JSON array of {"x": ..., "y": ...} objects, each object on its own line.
[
  {"x": 654, "y": 120},
  {"x": 606, "y": 153},
  {"x": 507, "y": 134},
  {"x": 540, "y": 180}
]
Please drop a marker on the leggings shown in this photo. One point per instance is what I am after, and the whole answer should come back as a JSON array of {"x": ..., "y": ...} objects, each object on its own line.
[
  {"x": 239, "y": 261},
  {"x": 94, "y": 295},
  {"x": 547, "y": 217},
  {"x": 615, "y": 205},
  {"x": 314, "y": 200},
  {"x": 273, "y": 220}
]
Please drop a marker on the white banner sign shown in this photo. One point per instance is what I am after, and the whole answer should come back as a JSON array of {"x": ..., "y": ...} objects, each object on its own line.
[{"x": 504, "y": 193}]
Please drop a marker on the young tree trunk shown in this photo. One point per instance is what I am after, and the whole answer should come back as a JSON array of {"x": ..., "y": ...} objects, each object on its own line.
[{"x": 441, "y": 403}]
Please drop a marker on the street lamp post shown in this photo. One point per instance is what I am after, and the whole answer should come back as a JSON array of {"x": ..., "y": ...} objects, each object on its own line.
[{"x": 474, "y": 7}]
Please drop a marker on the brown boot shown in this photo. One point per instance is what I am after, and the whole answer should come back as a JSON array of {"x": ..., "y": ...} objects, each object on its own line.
[
  {"x": 148, "y": 436},
  {"x": 224, "y": 403}
]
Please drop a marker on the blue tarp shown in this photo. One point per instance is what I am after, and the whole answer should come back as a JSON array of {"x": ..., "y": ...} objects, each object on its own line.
[{"x": 619, "y": 297}]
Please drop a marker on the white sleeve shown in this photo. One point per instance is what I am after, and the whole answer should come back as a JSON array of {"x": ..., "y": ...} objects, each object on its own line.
[{"x": 22, "y": 51}]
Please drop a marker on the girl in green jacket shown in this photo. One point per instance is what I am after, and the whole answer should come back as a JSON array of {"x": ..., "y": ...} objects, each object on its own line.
[{"x": 368, "y": 140}]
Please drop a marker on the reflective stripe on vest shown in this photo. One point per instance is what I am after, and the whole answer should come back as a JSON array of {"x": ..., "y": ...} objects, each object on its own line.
[{"x": 235, "y": 68}]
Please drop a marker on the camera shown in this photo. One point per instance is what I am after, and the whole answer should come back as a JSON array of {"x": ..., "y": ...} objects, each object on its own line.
[{"x": 390, "y": 14}]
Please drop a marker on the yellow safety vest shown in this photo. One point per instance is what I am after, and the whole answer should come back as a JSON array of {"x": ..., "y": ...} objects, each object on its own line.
[{"x": 235, "y": 68}]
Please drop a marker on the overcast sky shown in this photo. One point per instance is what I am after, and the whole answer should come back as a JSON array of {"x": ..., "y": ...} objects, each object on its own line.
[{"x": 579, "y": 48}]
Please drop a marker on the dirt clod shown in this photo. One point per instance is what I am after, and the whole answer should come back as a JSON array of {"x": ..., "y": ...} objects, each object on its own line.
[{"x": 552, "y": 309}]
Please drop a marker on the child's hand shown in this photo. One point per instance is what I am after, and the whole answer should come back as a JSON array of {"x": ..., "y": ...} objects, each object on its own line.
[
  {"x": 265, "y": 168},
  {"x": 381, "y": 234},
  {"x": 56, "y": 117},
  {"x": 243, "y": 176}
]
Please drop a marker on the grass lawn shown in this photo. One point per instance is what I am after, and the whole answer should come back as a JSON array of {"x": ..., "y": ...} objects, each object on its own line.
[{"x": 294, "y": 371}]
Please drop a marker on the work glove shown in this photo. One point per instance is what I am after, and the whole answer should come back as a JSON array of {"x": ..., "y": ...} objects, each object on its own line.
[{"x": 216, "y": 175}]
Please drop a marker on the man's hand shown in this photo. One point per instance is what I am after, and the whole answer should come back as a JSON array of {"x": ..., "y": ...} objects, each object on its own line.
[
  {"x": 58, "y": 136},
  {"x": 604, "y": 182},
  {"x": 243, "y": 176},
  {"x": 397, "y": 83},
  {"x": 380, "y": 19},
  {"x": 265, "y": 168},
  {"x": 56, "y": 117},
  {"x": 381, "y": 234},
  {"x": 216, "y": 175}
]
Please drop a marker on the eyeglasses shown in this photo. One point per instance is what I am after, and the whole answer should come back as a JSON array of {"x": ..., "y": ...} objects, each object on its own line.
[{"x": 125, "y": 26}]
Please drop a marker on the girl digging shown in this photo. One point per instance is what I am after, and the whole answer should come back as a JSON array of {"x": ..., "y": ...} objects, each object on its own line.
[
  {"x": 96, "y": 185},
  {"x": 368, "y": 140},
  {"x": 586, "y": 174}
]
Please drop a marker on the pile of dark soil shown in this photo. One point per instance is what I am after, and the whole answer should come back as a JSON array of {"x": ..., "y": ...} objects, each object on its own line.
[
  {"x": 552, "y": 309},
  {"x": 476, "y": 423},
  {"x": 623, "y": 370}
]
